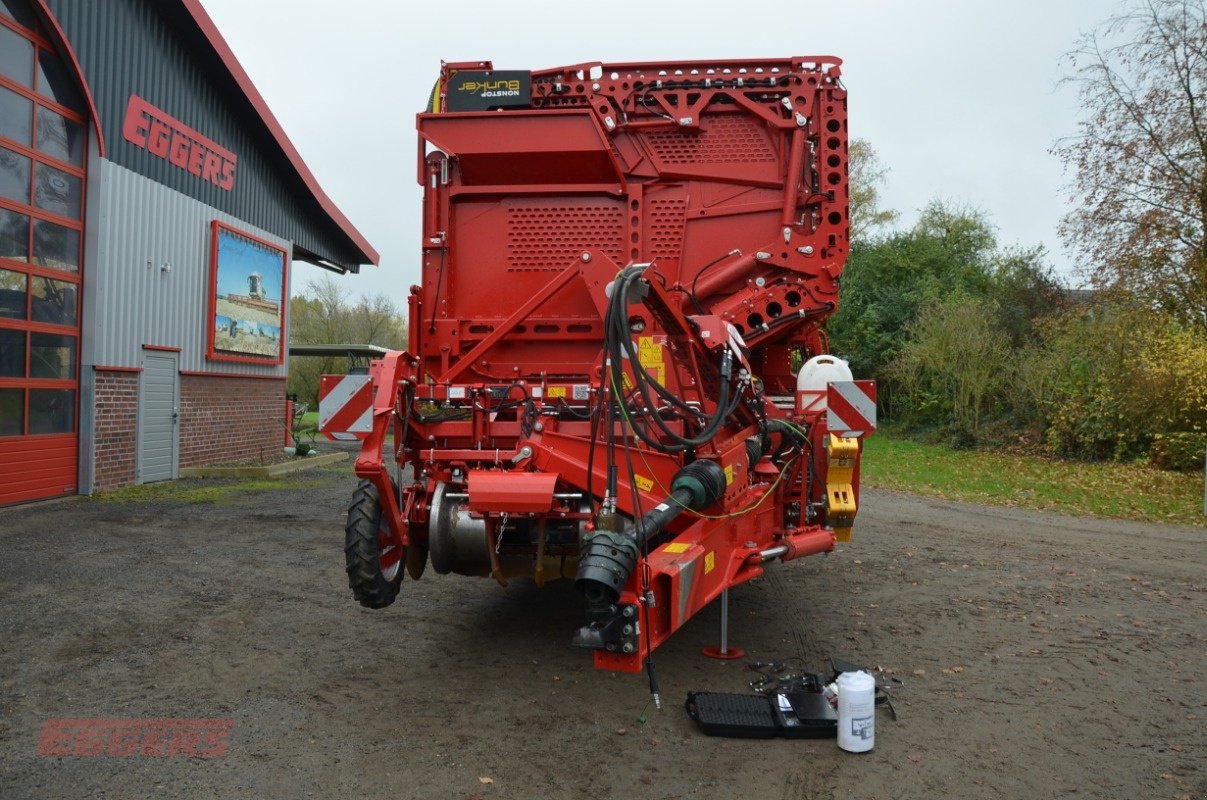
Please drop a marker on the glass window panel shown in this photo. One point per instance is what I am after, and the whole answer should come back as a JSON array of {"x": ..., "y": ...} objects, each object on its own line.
[
  {"x": 56, "y": 82},
  {"x": 12, "y": 412},
  {"x": 53, "y": 301},
  {"x": 12, "y": 294},
  {"x": 16, "y": 117},
  {"x": 14, "y": 235},
  {"x": 14, "y": 176},
  {"x": 59, "y": 137},
  {"x": 57, "y": 192},
  {"x": 51, "y": 410},
  {"x": 56, "y": 247},
  {"x": 12, "y": 353},
  {"x": 51, "y": 355},
  {"x": 16, "y": 57},
  {"x": 20, "y": 11}
]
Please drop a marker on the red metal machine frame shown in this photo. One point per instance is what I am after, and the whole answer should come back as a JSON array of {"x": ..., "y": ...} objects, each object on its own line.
[{"x": 712, "y": 196}]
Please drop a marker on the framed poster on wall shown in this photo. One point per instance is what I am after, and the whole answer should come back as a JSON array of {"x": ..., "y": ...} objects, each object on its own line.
[{"x": 247, "y": 297}]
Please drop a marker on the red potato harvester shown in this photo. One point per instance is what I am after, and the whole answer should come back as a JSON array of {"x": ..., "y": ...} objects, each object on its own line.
[{"x": 622, "y": 265}]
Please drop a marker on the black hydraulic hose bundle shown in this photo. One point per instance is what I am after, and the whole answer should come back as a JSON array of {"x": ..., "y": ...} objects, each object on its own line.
[{"x": 619, "y": 347}]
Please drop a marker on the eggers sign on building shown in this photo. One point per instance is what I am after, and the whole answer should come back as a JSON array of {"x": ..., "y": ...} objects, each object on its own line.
[{"x": 157, "y": 132}]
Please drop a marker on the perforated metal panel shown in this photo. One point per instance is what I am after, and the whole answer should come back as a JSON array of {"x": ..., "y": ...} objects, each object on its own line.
[
  {"x": 666, "y": 230},
  {"x": 550, "y": 237},
  {"x": 724, "y": 139}
]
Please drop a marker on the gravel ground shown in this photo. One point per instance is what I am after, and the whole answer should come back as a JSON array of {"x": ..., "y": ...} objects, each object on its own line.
[{"x": 1042, "y": 656}]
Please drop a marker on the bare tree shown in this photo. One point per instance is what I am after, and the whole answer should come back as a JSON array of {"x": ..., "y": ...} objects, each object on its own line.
[
  {"x": 1139, "y": 158},
  {"x": 867, "y": 175}
]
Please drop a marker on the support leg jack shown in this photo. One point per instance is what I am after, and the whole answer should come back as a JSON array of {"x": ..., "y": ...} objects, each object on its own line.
[{"x": 724, "y": 652}]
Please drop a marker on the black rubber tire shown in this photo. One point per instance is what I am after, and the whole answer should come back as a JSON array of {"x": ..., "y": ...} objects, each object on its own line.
[{"x": 362, "y": 551}]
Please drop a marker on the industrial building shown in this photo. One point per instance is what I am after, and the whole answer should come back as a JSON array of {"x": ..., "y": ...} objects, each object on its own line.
[{"x": 151, "y": 208}]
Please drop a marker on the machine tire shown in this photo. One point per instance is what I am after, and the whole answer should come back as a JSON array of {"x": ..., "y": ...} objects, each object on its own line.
[{"x": 362, "y": 551}]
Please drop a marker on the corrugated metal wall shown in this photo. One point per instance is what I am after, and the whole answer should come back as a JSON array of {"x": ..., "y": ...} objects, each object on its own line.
[
  {"x": 138, "y": 226},
  {"x": 154, "y": 50}
]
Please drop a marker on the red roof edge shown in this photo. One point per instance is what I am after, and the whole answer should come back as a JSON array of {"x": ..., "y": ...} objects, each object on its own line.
[{"x": 237, "y": 72}]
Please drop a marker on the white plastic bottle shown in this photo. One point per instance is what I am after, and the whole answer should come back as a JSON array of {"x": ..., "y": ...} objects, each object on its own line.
[{"x": 856, "y": 712}]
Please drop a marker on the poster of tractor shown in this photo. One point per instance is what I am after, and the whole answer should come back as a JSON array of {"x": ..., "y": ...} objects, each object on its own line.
[{"x": 247, "y": 307}]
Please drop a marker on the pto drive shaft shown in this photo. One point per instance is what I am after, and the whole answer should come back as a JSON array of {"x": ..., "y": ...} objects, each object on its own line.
[{"x": 608, "y": 557}]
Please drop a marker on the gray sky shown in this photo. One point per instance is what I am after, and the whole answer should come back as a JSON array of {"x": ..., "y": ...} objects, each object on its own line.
[{"x": 960, "y": 98}]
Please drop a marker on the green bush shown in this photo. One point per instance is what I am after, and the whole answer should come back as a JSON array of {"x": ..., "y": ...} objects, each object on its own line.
[
  {"x": 1183, "y": 452},
  {"x": 952, "y": 365},
  {"x": 1119, "y": 376}
]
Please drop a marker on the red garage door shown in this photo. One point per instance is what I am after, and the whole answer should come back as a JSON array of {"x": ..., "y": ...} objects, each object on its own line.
[{"x": 42, "y": 156}]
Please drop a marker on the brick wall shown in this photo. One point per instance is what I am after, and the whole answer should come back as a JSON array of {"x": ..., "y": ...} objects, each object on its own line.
[
  {"x": 226, "y": 419},
  {"x": 116, "y": 428}
]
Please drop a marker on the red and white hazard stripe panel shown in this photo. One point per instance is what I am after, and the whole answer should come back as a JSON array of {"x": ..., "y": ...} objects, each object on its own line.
[
  {"x": 345, "y": 406},
  {"x": 851, "y": 408}
]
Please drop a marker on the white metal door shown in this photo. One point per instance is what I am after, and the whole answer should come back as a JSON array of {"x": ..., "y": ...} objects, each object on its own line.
[{"x": 158, "y": 417}]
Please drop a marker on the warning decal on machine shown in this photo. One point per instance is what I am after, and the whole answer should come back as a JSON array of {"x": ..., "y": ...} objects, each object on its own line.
[
  {"x": 649, "y": 355},
  {"x": 851, "y": 408},
  {"x": 345, "y": 406}
]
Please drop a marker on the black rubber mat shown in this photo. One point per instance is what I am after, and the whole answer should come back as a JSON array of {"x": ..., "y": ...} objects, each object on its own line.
[{"x": 745, "y": 716}]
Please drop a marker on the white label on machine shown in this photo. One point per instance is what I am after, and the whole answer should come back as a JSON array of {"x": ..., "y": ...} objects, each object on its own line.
[
  {"x": 581, "y": 391},
  {"x": 456, "y": 393}
]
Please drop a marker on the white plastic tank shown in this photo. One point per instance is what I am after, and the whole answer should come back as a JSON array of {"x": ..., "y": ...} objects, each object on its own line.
[
  {"x": 818, "y": 371},
  {"x": 856, "y": 711}
]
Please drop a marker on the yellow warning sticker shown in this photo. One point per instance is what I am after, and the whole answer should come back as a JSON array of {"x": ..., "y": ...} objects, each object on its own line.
[
  {"x": 628, "y": 382},
  {"x": 677, "y": 547},
  {"x": 649, "y": 355},
  {"x": 729, "y": 474},
  {"x": 557, "y": 391},
  {"x": 710, "y": 561},
  {"x": 649, "y": 352},
  {"x": 643, "y": 483}
]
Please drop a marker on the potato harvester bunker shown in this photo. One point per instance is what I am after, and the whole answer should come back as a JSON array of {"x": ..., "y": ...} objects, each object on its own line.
[{"x": 623, "y": 265}]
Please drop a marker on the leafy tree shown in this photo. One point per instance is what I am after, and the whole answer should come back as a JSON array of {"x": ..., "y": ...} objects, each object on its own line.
[
  {"x": 1026, "y": 291},
  {"x": 1139, "y": 158},
  {"x": 324, "y": 314},
  {"x": 885, "y": 282}
]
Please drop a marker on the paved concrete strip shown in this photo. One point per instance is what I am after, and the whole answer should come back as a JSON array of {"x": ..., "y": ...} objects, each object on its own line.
[{"x": 268, "y": 471}]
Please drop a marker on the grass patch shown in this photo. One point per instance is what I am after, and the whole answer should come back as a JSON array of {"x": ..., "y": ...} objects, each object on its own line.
[
  {"x": 1124, "y": 491},
  {"x": 196, "y": 491}
]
